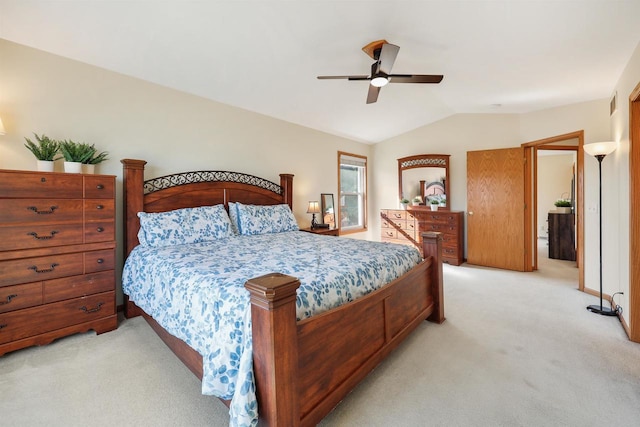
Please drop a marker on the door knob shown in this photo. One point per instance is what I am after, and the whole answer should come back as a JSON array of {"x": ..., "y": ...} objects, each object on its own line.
[{"x": 470, "y": 212}]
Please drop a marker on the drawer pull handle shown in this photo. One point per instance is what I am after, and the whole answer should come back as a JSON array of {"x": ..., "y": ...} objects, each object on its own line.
[
  {"x": 46, "y": 270},
  {"x": 35, "y": 209},
  {"x": 92, "y": 310},
  {"x": 99, "y": 207},
  {"x": 100, "y": 229},
  {"x": 3, "y": 326},
  {"x": 9, "y": 298},
  {"x": 100, "y": 260},
  {"x": 397, "y": 215},
  {"x": 100, "y": 187},
  {"x": 35, "y": 235}
]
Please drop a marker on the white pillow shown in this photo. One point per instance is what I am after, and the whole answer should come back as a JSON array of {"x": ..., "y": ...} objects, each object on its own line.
[
  {"x": 259, "y": 219},
  {"x": 182, "y": 226}
]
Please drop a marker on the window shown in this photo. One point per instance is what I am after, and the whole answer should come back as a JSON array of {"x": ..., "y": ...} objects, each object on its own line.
[{"x": 352, "y": 180}]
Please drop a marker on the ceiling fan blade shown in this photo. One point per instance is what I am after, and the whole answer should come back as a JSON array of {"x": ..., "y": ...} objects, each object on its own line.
[
  {"x": 415, "y": 78},
  {"x": 388, "y": 55},
  {"x": 361, "y": 77},
  {"x": 372, "y": 96}
]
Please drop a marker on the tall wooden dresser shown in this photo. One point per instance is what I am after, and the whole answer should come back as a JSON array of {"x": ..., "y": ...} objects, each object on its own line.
[
  {"x": 406, "y": 227},
  {"x": 57, "y": 256}
]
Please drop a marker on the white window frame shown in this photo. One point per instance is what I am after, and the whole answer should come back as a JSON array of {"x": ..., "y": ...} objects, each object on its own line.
[{"x": 360, "y": 162}]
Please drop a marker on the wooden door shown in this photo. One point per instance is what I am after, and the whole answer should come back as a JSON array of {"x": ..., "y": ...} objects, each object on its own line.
[{"x": 496, "y": 208}]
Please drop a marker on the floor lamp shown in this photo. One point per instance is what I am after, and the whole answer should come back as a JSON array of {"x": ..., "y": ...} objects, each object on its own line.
[{"x": 599, "y": 150}]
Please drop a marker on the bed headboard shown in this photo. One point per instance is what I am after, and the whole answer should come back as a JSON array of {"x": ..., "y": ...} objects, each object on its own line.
[{"x": 192, "y": 189}]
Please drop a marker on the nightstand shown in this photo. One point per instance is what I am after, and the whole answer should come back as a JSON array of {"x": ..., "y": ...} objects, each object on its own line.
[{"x": 324, "y": 231}]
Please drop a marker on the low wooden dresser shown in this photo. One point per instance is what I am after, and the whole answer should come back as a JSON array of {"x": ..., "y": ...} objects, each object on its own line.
[
  {"x": 57, "y": 256},
  {"x": 406, "y": 227}
]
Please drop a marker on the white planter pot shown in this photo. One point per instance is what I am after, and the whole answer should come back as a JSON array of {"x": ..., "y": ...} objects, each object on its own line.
[
  {"x": 563, "y": 209},
  {"x": 73, "y": 167},
  {"x": 44, "y": 165},
  {"x": 434, "y": 207},
  {"x": 89, "y": 169},
  {"x": 403, "y": 206}
]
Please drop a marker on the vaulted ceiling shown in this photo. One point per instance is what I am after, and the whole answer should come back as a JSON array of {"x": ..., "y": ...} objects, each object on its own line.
[{"x": 264, "y": 56}]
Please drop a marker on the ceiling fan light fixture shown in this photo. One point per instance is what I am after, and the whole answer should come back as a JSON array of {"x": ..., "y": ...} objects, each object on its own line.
[{"x": 379, "y": 81}]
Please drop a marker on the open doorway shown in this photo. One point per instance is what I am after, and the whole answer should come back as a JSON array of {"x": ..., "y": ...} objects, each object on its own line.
[
  {"x": 556, "y": 201},
  {"x": 534, "y": 220}
]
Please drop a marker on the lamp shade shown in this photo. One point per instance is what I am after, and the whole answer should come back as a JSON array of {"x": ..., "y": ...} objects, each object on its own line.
[
  {"x": 600, "y": 148},
  {"x": 314, "y": 207},
  {"x": 2, "y": 132}
]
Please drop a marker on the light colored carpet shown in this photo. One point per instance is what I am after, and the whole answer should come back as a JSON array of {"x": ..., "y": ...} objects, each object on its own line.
[{"x": 517, "y": 349}]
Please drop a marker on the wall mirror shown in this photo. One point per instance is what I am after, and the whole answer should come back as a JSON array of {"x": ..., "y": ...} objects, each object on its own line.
[
  {"x": 328, "y": 211},
  {"x": 424, "y": 175}
]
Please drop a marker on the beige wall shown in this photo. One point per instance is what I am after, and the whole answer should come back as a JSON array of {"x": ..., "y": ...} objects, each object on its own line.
[
  {"x": 173, "y": 131},
  {"x": 615, "y": 171}
]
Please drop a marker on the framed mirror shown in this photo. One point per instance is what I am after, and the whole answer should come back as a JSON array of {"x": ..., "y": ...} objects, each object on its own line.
[
  {"x": 328, "y": 210},
  {"x": 424, "y": 175}
]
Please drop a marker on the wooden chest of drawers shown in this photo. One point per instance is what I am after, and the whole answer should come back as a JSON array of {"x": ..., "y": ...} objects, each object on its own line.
[
  {"x": 406, "y": 227},
  {"x": 57, "y": 256}
]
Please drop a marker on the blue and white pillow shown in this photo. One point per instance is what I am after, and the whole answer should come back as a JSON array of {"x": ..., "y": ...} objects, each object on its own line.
[
  {"x": 183, "y": 226},
  {"x": 258, "y": 219}
]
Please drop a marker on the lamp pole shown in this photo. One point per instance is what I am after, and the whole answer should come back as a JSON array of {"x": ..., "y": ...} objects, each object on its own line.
[{"x": 599, "y": 150}]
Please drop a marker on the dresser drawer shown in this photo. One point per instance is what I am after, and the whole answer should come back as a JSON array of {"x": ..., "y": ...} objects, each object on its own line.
[
  {"x": 40, "y": 211},
  {"x": 390, "y": 233},
  {"x": 441, "y": 228},
  {"x": 448, "y": 253},
  {"x": 95, "y": 261},
  {"x": 102, "y": 231},
  {"x": 78, "y": 286},
  {"x": 40, "y": 185},
  {"x": 20, "y": 296},
  {"x": 40, "y": 236},
  {"x": 99, "y": 187},
  {"x": 98, "y": 209},
  {"x": 396, "y": 215},
  {"x": 16, "y": 325},
  {"x": 28, "y": 270}
]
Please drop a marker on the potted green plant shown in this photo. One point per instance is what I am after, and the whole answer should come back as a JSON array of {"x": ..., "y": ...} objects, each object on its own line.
[
  {"x": 75, "y": 154},
  {"x": 563, "y": 205},
  {"x": 404, "y": 202},
  {"x": 416, "y": 201},
  {"x": 434, "y": 203},
  {"x": 95, "y": 159},
  {"x": 45, "y": 150}
]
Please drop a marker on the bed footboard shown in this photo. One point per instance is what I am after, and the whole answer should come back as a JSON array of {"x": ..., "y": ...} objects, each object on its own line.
[{"x": 304, "y": 369}]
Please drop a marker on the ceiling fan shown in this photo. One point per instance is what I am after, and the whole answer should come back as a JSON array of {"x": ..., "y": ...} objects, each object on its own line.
[{"x": 384, "y": 54}]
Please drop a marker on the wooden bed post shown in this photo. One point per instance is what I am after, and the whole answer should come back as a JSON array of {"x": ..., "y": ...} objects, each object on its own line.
[
  {"x": 286, "y": 182},
  {"x": 432, "y": 247},
  {"x": 275, "y": 348},
  {"x": 132, "y": 194},
  {"x": 133, "y": 176}
]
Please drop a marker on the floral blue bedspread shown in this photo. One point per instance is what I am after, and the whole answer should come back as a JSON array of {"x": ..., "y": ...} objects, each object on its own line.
[{"x": 196, "y": 292}]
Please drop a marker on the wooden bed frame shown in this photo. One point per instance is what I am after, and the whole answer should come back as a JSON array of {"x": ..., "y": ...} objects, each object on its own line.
[{"x": 302, "y": 369}]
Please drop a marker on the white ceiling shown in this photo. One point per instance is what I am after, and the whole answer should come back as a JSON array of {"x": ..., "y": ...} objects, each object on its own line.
[{"x": 264, "y": 56}]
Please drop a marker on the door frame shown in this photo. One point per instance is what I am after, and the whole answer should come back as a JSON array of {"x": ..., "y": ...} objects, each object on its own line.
[
  {"x": 531, "y": 196},
  {"x": 634, "y": 220}
]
